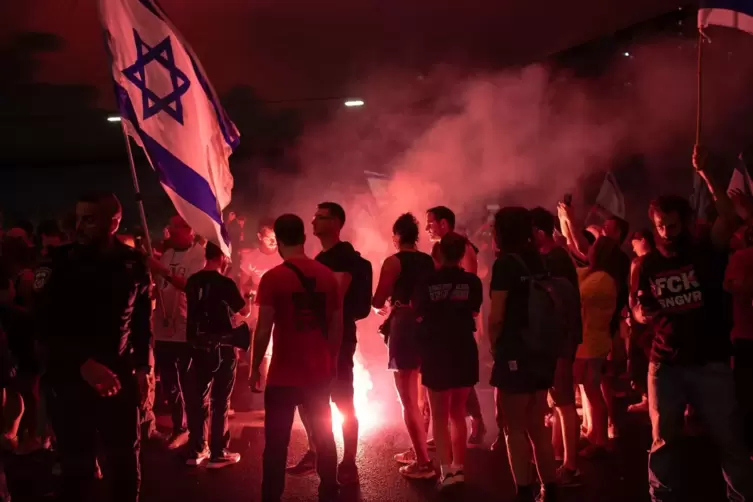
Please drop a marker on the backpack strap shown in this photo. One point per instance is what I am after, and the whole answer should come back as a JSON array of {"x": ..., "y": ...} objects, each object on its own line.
[{"x": 309, "y": 287}]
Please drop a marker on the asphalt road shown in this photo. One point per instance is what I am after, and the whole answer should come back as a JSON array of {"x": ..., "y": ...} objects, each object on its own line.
[{"x": 619, "y": 478}]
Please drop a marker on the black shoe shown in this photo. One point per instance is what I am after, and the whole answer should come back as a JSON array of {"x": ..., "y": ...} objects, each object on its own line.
[
  {"x": 329, "y": 494},
  {"x": 304, "y": 467},
  {"x": 197, "y": 457},
  {"x": 347, "y": 473}
]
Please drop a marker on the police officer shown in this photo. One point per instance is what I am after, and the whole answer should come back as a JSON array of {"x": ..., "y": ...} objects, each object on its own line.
[{"x": 94, "y": 314}]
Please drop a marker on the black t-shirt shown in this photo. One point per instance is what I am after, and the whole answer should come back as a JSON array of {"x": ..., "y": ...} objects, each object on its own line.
[
  {"x": 447, "y": 302},
  {"x": 212, "y": 301},
  {"x": 694, "y": 319},
  {"x": 341, "y": 258},
  {"x": 559, "y": 264},
  {"x": 510, "y": 274}
]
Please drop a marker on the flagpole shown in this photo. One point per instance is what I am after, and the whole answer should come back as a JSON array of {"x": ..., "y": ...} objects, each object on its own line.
[
  {"x": 142, "y": 212},
  {"x": 699, "y": 102}
]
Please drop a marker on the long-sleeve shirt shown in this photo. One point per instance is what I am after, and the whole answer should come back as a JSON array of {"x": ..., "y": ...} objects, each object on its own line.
[{"x": 94, "y": 306}]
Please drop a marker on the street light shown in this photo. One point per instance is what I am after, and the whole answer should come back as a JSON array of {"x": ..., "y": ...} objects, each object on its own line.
[
  {"x": 113, "y": 118},
  {"x": 353, "y": 103}
]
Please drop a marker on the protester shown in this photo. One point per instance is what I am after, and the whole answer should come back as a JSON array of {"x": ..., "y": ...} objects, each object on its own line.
[
  {"x": 446, "y": 304},
  {"x": 440, "y": 221},
  {"x": 354, "y": 277},
  {"x": 400, "y": 275},
  {"x": 639, "y": 342},
  {"x": 598, "y": 294},
  {"x": 184, "y": 258},
  {"x": 15, "y": 314},
  {"x": 301, "y": 299},
  {"x": 738, "y": 282},
  {"x": 213, "y": 299},
  {"x": 680, "y": 293},
  {"x": 94, "y": 314},
  {"x": 256, "y": 262},
  {"x": 565, "y": 433},
  {"x": 521, "y": 376}
]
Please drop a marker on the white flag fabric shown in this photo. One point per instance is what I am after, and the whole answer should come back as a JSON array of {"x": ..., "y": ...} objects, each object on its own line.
[
  {"x": 168, "y": 106},
  {"x": 730, "y": 13},
  {"x": 610, "y": 196},
  {"x": 741, "y": 180}
]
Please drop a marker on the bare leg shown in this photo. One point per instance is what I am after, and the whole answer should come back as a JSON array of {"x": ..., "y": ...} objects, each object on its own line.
[
  {"x": 440, "y": 418},
  {"x": 406, "y": 383},
  {"x": 568, "y": 420},
  {"x": 458, "y": 411}
]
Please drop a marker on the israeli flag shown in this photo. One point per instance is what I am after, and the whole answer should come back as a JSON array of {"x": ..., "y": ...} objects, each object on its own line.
[
  {"x": 170, "y": 109},
  {"x": 730, "y": 13}
]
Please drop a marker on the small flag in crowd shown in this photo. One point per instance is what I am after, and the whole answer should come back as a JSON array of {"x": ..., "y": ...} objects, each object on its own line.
[
  {"x": 171, "y": 110},
  {"x": 741, "y": 179},
  {"x": 730, "y": 13},
  {"x": 610, "y": 196}
]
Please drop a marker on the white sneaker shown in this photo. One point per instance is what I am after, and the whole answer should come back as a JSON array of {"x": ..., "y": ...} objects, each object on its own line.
[
  {"x": 197, "y": 457},
  {"x": 452, "y": 478},
  {"x": 224, "y": 459}
]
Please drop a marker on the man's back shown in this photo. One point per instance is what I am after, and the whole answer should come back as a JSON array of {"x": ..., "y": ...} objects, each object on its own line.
[{"x": 301, "y": 354}]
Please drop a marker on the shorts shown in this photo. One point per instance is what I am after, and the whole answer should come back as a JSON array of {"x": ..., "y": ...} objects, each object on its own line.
[
  {"x": 342, "y": 386},
  {"x": 451, "y": 366},
  {"x": 562, "y": 390},
  {"x": 589, "y": 370},
  {"x": 402, "y": 347}
]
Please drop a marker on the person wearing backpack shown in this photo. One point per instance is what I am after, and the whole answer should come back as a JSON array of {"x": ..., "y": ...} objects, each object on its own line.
[
  {"x": 522, "y": 327},
  {"x": 598, "y": 293},
  {"x": 354, "y": 277}
]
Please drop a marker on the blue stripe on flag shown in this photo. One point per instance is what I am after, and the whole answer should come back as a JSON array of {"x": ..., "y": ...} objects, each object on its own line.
[
  {"x": 172, "y": 172},
  {"x": 232, "y": 138},
  {"x": 742, "y": 6}
]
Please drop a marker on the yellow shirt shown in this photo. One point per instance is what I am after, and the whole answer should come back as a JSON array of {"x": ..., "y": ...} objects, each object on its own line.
[{"x": 598, "y": 299}]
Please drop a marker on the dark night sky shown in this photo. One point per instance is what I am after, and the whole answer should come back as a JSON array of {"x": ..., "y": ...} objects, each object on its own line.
[{"x": 283, "y": 49}]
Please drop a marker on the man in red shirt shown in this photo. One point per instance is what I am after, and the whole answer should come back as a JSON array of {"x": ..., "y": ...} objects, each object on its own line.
[{"x": 300, "y": 299}]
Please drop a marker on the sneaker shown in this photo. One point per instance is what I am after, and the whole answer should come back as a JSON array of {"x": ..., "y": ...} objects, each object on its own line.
[
  {"x": 431, "y": 444},
  {"x": 548, "y": 493},
  {"x": 177, "y": 440},
  {"x": 478, "y": 431},
  {"x": 197, "y": 457},
  {"x": 329, "y": 494},
  {"x": 223, "y": 459},
  {"x": 347, "y": 473},
  {"x": 568, "y": 477},
  {"x": 452, "y": 478},
  {"x": 415, "y": 470},
  {"x": 305, "y": 466},
  {"x": 613, "y": 432},
  {"x": 406, "y": 457},
  {"x": 98, "y": 470}
]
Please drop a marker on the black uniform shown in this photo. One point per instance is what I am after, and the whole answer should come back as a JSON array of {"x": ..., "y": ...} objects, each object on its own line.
[{"x": 95, "y": 305}]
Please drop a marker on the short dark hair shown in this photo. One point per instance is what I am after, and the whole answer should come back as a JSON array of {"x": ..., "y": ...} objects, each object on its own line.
[
  {"x": 26, "y": 226},
  {"x": 542, "y": 220},
  {"x": 289, "y": 230},
  {"x": 443, "y": 213},
  {"x": 335, "y": 210},
  {"x": 645, "y": 234},
  {"x": 513, "y": 230},
  {"x": 452, "y": 247},
  {"x": 406, "y": 227},
  {"x": 623, "y": 225},
  {"x": 107, "y": 201},
  {"x": 212, "y": 251},
  {"x": 671, "y": 204}
]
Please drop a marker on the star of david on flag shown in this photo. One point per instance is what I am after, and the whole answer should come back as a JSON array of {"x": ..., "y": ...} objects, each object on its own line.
[{"x": 170, "y": 109}]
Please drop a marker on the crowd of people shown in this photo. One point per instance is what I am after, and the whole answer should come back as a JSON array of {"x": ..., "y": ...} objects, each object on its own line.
[{"x": 89, "y": 319}]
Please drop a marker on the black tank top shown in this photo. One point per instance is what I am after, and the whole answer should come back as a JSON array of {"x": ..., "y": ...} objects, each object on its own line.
[{"x": 415, "y": 266}]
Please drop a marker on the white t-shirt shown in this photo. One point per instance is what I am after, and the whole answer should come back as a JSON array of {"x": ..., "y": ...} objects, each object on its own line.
[
  {"x": 255, "y": 264},
  {"x": 181, "y": 264}
]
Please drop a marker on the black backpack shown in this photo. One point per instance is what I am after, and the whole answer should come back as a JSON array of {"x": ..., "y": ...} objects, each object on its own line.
[{"x": 358, "y": 297}]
